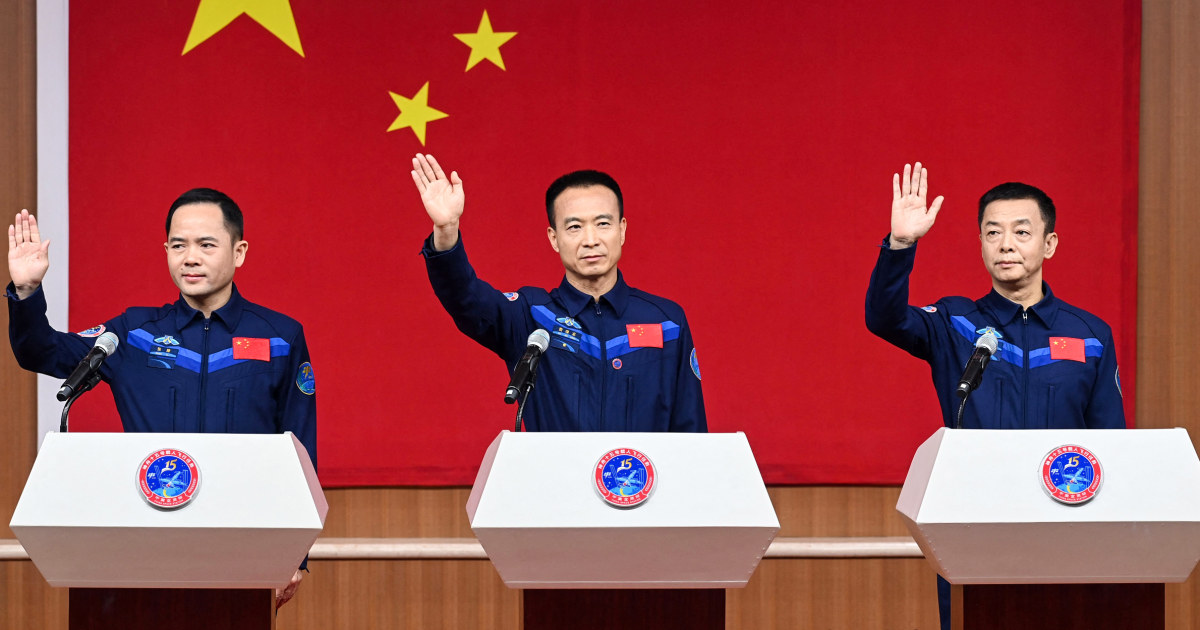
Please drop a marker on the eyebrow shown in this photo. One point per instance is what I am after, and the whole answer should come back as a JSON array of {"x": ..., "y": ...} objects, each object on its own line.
[
  {"x": 180, "y": 239},
  {"x": 1017, "y": 222},
  {"x": 596, "y": 218}
]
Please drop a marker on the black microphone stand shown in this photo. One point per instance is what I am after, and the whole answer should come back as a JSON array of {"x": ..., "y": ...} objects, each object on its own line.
[
  {"x": 92, "y": 381},
  {"x": 523, "y": 396}
]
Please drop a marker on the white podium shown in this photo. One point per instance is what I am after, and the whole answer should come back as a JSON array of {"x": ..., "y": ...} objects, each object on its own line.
[
  {"x": 976, "y": 504},
  {"x": 85, "y": 523},
  {"x": 706, "y": 524}
]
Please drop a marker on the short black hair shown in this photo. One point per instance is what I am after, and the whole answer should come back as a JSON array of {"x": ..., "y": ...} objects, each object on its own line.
[
  {"x": 582, "y": 179},
  {"x": 1016, "y": 190},
  {"x": 229, "y": 209}
]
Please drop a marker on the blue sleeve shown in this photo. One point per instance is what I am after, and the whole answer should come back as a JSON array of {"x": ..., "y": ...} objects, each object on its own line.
[
  {"x": 1106, "y": 410},
  {"x": 888, "y": 313},
  {"x": 36, "y": 346},
  {"x": 478, "y": 310},
  {"x": 687, "y": 414},
  {"x": 298, "y": 408}
]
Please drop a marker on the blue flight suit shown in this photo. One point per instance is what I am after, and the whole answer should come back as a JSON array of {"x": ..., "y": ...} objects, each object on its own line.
[
  {"x": 593, "y": 377},
  {"x": 174, "y": 371},
  {"x": 1023, "y": 387}
]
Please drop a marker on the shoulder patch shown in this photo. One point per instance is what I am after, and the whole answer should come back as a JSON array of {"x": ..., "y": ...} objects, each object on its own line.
[
  {"x": 512, "y": 296},
  {"x": 94, "y": 331},
  {"x": 695, "y": 364},
  {"x": 306, "y": 381},
  {"x": 929, "y": 309},
  {"x": 1117, "y": 377}
]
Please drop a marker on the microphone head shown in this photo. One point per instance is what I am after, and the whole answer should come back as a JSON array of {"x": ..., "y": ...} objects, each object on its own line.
[
  {"x": 108, "y": 343},
  {"x": 539, "y": 338},
  {"x": 988, "y": 342}
]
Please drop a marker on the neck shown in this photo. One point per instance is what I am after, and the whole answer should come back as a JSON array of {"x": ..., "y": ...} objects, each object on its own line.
[
  {"x": 1025, "y": 295},
  {"x": 594, "y": 287}
]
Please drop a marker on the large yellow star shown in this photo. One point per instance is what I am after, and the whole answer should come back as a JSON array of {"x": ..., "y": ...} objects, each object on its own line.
[
  {"x": 273, "y": 15},
  {"x": 415, "y": 112},
  {"x": 484, "y": 43}
]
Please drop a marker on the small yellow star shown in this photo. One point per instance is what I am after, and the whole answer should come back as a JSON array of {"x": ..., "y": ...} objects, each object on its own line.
[
  {"x": 415, "y": 112},
  {"x": 485, "y": 43},
  {"x": 274, "y": 15}
]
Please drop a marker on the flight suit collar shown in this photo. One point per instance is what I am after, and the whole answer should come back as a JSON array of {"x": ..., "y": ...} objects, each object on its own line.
[
  {"x": 1006, "y": 311},
  {"x": 229, "y": 315},
  {"x": 575, "y": 300}
]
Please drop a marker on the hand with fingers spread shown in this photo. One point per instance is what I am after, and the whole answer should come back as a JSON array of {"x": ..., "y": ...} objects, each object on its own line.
[
  {"x": 443, "y": 198},
  {"x": 28, "y": 258},
  {"x": 911, "y": 219}
]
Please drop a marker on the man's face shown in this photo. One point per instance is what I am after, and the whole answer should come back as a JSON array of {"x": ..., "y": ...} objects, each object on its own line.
[
  {"x": 588, "y": 233},
  {"x": 202, "y": 255},
  {"x": 1015, "y": 243}
]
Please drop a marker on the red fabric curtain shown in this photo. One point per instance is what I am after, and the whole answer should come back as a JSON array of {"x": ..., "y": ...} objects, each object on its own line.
[{"x": 755, "y": 144}]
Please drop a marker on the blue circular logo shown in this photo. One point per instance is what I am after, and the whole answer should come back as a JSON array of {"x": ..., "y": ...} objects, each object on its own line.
[
  {"x": 624, "y": 477},
  {"x": 1071, "y": 474},
  {"x": 168, "y": 478},
  {"x": 306, "y": 381},
  {"x": 695, "y": 364}
]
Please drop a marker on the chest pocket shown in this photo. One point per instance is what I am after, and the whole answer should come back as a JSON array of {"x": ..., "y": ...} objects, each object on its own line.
[{"x": 248, "y": 394}]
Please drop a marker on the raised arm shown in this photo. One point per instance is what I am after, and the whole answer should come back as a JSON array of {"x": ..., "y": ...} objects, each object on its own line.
[
  {"x": 28, "y": 257},
  {"x": 911, "y": 219},
  {"x": 443, "y": 198}
]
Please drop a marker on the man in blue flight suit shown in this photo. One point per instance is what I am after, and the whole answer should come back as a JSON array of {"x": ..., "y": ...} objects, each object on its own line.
[
  {"x": 619, "y": 359},
  {"x": 212, "y": 362},
  {"x": 1056, "y": 365}
]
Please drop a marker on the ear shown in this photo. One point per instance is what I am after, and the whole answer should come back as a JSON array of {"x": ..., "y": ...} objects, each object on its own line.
[
  {"x": 623, "y": 224},
  {"x": 239, "y": 253},
  {"x": 550, "y": 234},
  {"x": 1051, "y": 244}
]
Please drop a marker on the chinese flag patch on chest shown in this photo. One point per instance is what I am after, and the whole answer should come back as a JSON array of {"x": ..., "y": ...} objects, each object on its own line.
[
  {"x": 253, "y": 348},
  {"x": 1067, "y": 349},
  {"x": 644, "y": 335}
]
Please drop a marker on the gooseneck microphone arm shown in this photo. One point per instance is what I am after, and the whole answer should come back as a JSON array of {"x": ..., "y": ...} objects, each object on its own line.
[{"x": 985, "y": 347}]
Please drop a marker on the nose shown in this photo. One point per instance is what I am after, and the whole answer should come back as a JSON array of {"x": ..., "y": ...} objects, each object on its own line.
[
  {"x": 191, "y": 256},
  {"x": 591, "y": 237},
  {"x": 1006, "y": 242}
]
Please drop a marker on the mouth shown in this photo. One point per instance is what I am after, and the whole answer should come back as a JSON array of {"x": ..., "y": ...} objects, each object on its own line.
[
  {"x": 593, "y": 258},
  {"x": 192, "y": 277}
]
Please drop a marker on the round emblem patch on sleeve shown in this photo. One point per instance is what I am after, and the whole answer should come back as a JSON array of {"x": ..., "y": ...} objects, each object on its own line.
[
  {"x": 1071, "y": 474},
  {"x": 695, "y": 364},
  {"x": 306, "y": 381},
  {"x": 94, "y": 331},
  {"x": 511, "y": 296}
]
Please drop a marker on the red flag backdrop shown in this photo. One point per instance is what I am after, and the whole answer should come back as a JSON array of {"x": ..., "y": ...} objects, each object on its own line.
[{"x": 755, "y": 145}]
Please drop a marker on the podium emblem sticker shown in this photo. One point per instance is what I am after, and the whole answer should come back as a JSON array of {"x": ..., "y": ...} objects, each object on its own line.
[
  {"x": 1071, "y": 474},
  {"x": 624, "y": 477},
  {"x": 168, "y": 478}
]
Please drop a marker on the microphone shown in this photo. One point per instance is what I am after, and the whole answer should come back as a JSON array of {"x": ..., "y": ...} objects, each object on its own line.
[
  {"x": 985, "y": 347},
  {"x": 522, "y": 379},
  {"x": 106, "y": 344}
]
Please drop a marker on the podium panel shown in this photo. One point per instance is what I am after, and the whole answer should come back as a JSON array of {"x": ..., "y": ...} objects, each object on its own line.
[
  {"x": 975, "y": 502},
  {"x": 84, "y": 522},
  {"x": 706, "y": 524}
]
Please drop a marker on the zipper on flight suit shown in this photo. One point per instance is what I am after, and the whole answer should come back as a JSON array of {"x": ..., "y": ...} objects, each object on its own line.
[
  {"x": 603, "y": 362},
  {"x": 204, "y": 373},
  {"x": 1025, "y": 365}
]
